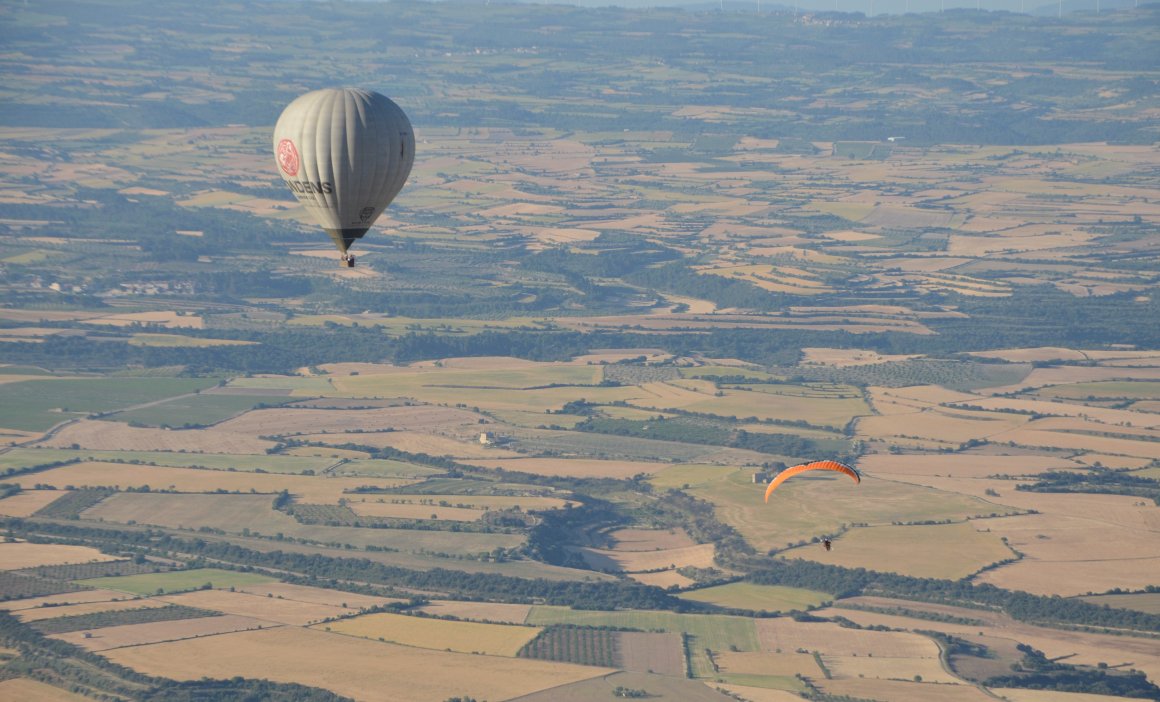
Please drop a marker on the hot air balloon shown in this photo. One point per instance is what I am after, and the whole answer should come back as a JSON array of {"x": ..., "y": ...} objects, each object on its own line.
[
  {"x": 816, "y": 465},
  {"x": 345, "y": 153}
]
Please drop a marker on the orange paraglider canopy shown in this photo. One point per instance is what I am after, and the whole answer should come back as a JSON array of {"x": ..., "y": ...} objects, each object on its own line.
[{"x": 816, "y": 465}]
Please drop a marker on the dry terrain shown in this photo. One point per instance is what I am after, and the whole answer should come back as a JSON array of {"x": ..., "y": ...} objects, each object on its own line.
[{"x": 355, "y": 667}]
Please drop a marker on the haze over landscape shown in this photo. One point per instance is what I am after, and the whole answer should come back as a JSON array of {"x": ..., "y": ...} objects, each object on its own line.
[{"x": 646, "y": 259}]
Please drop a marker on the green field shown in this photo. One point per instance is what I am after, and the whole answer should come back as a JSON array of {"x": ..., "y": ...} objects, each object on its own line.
[
  {"x": 16, "y": 458},
  {"x": 383, "y": 468},
  {"x": 197, "y": 410},
  {"x": 712, "y": 631},
  {"x": 770, "y": 598},
  {"x": 36, "y": 405},
  {"x": 178, "y": 581}
]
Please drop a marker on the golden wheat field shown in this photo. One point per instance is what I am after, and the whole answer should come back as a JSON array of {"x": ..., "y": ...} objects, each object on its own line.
[
  {"x": 700, "y": 556},
  {"x": 266, "y": 609},
  {"x": 491, "y": 612},
  {"x": 438, "y": 634},
  {"x": 126, "y": 602},
  {"x": 15, "y": 555},
  {"x": 134, "y": 635},
  {"x": 27, "y": 690},
  {"x": 115, "y": 436},
  {"x": 26, "y": 502},
  {"x": 195, "y": 480},
  {"x": 355, "y": 667}
]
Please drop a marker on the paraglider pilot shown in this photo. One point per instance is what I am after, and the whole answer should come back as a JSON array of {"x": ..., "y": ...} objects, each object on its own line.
[{"x": 827, "y": 543}]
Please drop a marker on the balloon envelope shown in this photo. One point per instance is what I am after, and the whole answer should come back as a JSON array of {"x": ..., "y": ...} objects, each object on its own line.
[
  {"x": 816, "y": 465},
  {"x": 344, "y": 153}
]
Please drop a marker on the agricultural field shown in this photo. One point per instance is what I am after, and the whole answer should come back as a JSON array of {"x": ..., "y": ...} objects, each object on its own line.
[
  {"x": 768, "y": 598},
  {"x": 438, "y": 634},
  {"x": 708, "y": 631},
  {"x": 17, "y": 555},
  {"x": 360, "y": 668},
  {"x": 36, "y": 405},
  {"x": 643, "y": 305},
  {"x": 176, "y": 581},
  {"x": 948, "y": 551}
]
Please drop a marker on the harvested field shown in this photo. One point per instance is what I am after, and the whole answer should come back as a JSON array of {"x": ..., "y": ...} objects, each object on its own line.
[
  {"x": 315, "y": 490},
  {"x": 286, "y": 421},
  {"x": 117, "y": 436},
  {"x": 313, "y": 595},
  {"x": 1081, "y": 648},
  {"x": 769, "y": 598},
  {"x": 267, "y": 609},
  {"x": 830, "y": 639},
  {"x": 358, "y": 668},
  {"x": 1141, "y": 602},
  {"x": 898, "y": 691},
  {"x": 660, "y": 686},
  {"x": 415, "y": 511},
  {"x": 687, "y": 475},
  {"x": 758, "y": 694},
  {"x": 463, "y": 447},
  {"x": 26, "y": 502},
  {"x": 889, "y": 668},
  {"x": 17, "y": 555},
  {"x": 39, "y": 613},
  {"x": 526, "y": 503},
  {"x": 1042, "y": 353},
  {"x": 649, "y": 539},
  {"x": 1067, "y": 375},
  {"x": 949, "y": 551},
  {"x": 651, "y": 653},
  {"x": 787, "y": 663},
  {"x": 27, "y": 690},
  {"x": 700, "y": 556},
  {"x": 134, "y": 635},
  {"x": 575, "y": 467},
  {"x": 663, "y": 579},
  {"x": 168, "y": 319},
  {"x": 439, "y": 634},
  {"x": 842, "y": 358},
  {"x": 236, "y": 513},
  {"x": 64, "y": 599},
  {"x": 959, "y": 465},
  {"x": 1063, "y": 409},
  {"x": 493, "y": 612},
  {"x": 1075, "y": 441}
]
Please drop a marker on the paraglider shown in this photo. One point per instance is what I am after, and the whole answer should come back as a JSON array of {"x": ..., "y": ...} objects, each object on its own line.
[
  {"x": 345, "y": 153},
  {"x": 816, "y": 465}
]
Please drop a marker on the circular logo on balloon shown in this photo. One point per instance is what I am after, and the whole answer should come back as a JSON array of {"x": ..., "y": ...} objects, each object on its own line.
[{"x": 287, "y": 156}]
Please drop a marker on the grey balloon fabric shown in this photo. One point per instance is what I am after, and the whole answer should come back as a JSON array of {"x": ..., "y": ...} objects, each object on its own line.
[{"x": 345, "y": 153}]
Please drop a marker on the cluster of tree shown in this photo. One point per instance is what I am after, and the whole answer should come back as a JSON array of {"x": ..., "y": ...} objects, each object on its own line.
[
  {"x": 1037, "y": 672},
  {"x": 1108, "y": 482},
  {"x": 97, "y": 620}
]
